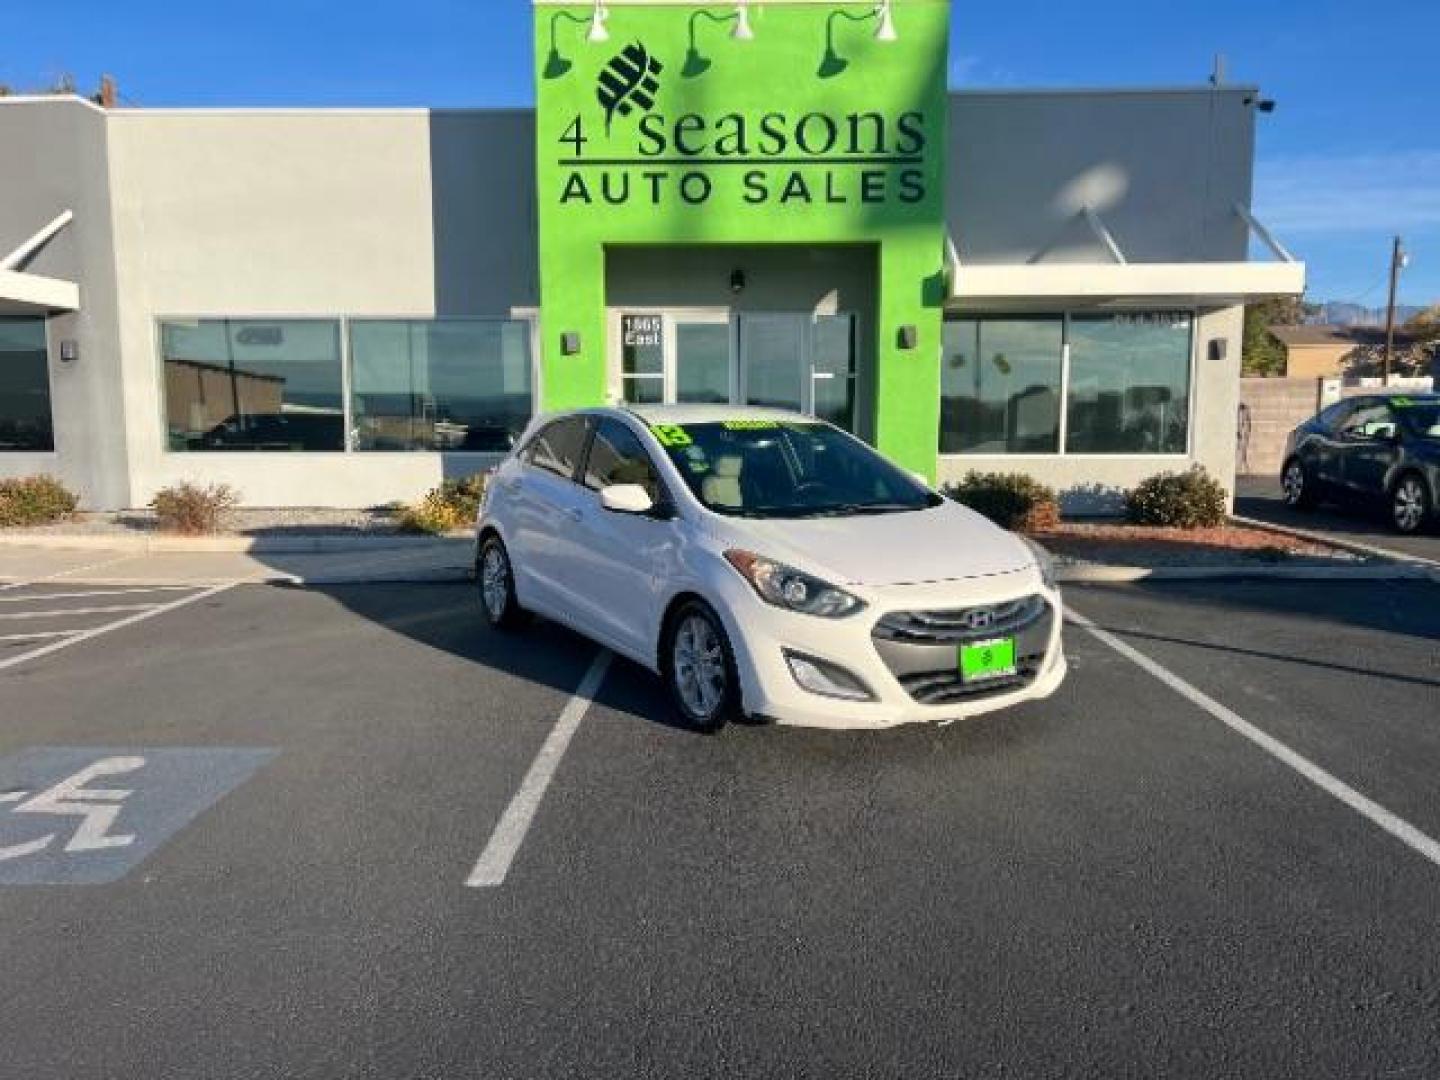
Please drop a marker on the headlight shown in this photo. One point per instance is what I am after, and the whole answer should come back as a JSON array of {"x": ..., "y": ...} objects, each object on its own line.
[
  {"x": 792, "y": 589},
  {"x": 1044, "y": 562}
]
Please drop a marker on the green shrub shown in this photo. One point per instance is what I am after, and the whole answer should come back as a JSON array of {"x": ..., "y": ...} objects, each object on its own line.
[
  {"x": 1190, "y": 500},
  {"x": 193, "y": 509},
  {"x": 35, "y": 500},
  {"x": 452, "y": 505},
  {"x": 1011, "y": 500}
]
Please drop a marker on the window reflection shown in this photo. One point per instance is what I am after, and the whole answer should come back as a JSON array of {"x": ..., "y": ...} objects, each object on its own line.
[
  {"x": 25, "y": 420},
  {"x": 253, "y": 385},
  {"x": 1129, "y": 383},
  {"x": 439, "y": 385},
  {"x": 1000, "y": 386}
]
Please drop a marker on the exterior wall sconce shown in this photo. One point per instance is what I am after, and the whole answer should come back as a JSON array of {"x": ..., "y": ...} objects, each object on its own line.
[
  {"x": 695, "y": 63},
  {"x": 833, "y": 63},
  {"x": 1219, "y": 350},
  {"x": 69, "y": 351},
  {"x": 908, "y": 337},
  {"x": 556, "y": 64},
  {"x": 737, "y": 281},
  {"x": 570, "y": 343}
]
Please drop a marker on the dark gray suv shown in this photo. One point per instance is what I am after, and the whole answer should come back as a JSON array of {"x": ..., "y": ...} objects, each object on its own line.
[{"x": 1378, "y": 449}]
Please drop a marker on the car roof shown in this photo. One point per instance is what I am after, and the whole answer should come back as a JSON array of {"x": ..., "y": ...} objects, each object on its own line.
[{"x": 712, "y": 414}]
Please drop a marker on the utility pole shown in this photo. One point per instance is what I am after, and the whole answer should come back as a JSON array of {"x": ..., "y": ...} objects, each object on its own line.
[{"x": 1397, "y": 263}]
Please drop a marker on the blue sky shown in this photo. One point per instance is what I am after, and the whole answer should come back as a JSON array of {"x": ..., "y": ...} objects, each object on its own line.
[{"x": 1350, "y": 157}]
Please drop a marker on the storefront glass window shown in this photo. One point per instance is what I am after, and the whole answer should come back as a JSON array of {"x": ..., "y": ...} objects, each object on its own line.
[
  {"x": 439, "y": 385},
  {"x": 1000, "y": 386},
  {"x": 25, "y": 421},
  {"x": 1129, "y": 383},
  {"x": 253, "y": 384}
]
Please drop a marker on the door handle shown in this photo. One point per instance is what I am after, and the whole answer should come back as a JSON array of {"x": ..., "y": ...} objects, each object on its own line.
[
  {"x": 575, "y": 513},
  {"x": 515, "y": 485}
]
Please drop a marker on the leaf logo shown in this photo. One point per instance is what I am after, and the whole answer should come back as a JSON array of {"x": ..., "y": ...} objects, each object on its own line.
[{"x": 627, "y": 82}]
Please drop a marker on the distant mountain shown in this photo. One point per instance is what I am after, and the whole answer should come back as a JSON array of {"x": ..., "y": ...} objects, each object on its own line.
[{"x": 1339, "y": 313}]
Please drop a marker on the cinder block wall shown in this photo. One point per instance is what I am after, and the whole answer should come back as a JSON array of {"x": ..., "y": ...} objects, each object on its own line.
[{"x": 1269, "y": 410}]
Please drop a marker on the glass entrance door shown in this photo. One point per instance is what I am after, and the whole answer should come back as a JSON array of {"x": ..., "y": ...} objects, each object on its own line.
[{"x": 784, "y": 360}]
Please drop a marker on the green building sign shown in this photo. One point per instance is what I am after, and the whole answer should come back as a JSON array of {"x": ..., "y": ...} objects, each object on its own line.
[{"x": 804, "y": 124}]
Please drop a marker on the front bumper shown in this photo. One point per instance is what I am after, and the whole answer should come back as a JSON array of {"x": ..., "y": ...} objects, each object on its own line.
[{"x": 914, "y": 679}]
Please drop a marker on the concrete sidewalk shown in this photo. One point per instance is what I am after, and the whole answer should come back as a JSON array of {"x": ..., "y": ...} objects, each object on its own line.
[{"x": 446, "y": 559}]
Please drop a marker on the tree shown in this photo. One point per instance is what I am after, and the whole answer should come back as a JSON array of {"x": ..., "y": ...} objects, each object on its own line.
[
  {"x": 1261, "y": 353},
  {"x": 1425, "y": 325}
]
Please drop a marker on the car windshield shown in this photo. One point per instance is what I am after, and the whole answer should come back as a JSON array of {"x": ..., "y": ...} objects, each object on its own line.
[
  {"x": 783, "y": 469},
  {"x": 1420, "y": 417}
]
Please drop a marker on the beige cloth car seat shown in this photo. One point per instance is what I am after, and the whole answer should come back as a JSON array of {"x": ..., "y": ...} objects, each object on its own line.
[{"x": 722, "y": 486}]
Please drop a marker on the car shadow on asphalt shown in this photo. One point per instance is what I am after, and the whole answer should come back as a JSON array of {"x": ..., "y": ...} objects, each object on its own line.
[{"x": 446, "y": 616}]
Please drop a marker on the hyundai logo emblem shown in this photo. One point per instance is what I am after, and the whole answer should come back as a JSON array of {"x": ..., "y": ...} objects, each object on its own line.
[{"x": 980, "y": 619}]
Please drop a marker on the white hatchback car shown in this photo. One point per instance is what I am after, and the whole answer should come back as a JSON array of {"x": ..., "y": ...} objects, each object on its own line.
[{"x": 766, "y": 563}]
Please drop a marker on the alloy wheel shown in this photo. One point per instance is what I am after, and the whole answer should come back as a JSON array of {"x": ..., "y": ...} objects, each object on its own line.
[
  {"x": 1408, "y": 507},
  {"x": 699, "y": 663},
  {"x": 495, "y": 581},
  {"x": 1293, "y": 483}
]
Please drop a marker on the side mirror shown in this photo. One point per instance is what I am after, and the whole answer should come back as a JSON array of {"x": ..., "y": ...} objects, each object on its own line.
[
  {"x": 626, "y": 499},
  {"x": 921, "y": 479}
]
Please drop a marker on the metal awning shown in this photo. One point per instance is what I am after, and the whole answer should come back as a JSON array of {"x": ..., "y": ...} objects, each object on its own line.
[
  {"x": 1121, "y": 283},
  {"x": 22, "y": 293}
]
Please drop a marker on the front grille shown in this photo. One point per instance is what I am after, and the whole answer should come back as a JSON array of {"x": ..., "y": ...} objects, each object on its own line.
[
  {"x": 1004, "y": 620},
  {"x": 921, "y": 648},
  {"x": 944, "y": 687}
]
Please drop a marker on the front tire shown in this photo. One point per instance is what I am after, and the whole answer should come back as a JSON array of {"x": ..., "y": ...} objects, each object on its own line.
[
  {"x": 699, "y": 668},
  {"x": 496, "y": 581},
  {"x": 1409, "y": 504},
  {"x": 1298, "y": 486}
]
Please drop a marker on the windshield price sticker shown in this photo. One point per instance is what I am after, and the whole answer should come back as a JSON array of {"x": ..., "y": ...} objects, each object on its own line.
[
  {"x": 750, "y": 425},
  {"x": 672, "y": 435}
]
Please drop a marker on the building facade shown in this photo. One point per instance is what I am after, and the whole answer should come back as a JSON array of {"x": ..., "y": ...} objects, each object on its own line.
[{"x": 775, "y": 203}]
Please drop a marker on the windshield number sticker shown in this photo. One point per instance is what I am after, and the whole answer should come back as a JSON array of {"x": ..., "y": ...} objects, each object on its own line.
[{"x": 672, "y": 435}]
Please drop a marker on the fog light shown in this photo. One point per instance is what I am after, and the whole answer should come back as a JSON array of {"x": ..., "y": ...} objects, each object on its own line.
[{"x": 826, "y": 679}]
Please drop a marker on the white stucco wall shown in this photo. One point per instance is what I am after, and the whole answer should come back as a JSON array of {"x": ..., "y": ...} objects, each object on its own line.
[{"x": 404, "y": 214}]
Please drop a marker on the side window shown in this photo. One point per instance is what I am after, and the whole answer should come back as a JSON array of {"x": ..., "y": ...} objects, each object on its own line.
[
  {"x": 1373, "y": 420},
  {"x": 617, "y": 457},
  {"x": 558, "y": 446}
]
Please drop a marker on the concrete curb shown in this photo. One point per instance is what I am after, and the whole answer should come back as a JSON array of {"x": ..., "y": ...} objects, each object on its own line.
[
  {"x": 1355, "y": 547},
  {"x": 242, "y": 545}
]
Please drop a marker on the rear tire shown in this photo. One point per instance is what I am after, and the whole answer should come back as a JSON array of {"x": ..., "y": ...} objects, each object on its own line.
[
  {"x": 1298, "y": 485},
  {"x": 495, "y": 581},
  {"x": 699, "y": 668},
  {"x": 1410, "y": 504}
]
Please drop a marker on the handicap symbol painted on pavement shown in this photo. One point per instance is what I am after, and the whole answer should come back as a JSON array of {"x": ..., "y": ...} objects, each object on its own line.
[{"x": 82, "y": 816}]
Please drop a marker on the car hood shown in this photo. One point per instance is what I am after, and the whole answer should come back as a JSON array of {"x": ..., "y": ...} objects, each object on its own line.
[{"x": 944, "y": 543}]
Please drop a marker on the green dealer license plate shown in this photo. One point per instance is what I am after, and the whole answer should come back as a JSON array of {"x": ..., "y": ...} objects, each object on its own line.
[{"x": 983, "y": 660}]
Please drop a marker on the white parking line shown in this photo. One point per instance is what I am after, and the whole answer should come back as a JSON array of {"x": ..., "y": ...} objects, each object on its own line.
[
  {"x": 1367, "y": 808},
  {"x": 120, "y": 624},
  {"x": 108, "y": 610},
  {"x": 39, "y": 635},
  {"x": 94, "y": 592},
  {"x": 499, "y": 853}
]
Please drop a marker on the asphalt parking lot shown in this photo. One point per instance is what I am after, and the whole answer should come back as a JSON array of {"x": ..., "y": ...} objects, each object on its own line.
[
  {"x": 1260, "y": 497},
  {"x": 276, "y": 797}
]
